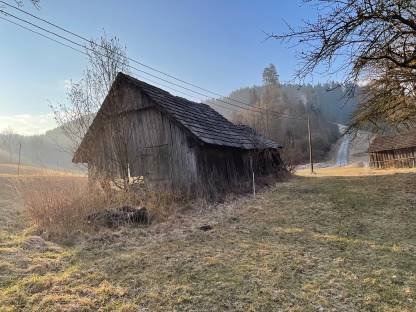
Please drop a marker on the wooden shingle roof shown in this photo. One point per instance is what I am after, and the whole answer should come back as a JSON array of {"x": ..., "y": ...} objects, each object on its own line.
[
  {"x": 204, "y": 122},
  {"x": 393, "y": 142}
]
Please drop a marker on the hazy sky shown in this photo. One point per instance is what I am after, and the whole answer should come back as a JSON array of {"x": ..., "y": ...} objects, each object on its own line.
[{"x": 216, "y": 44}]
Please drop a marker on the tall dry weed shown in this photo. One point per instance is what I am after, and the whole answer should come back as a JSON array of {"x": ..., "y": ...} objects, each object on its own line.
[{"x": 60, "y": 206}]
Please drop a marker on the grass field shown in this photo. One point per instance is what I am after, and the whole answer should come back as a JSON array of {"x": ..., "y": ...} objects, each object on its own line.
[
  {"x": 11, "y": 170},
  {"x": 351, "y": 171},
  {"x": 327, "y": 244}
]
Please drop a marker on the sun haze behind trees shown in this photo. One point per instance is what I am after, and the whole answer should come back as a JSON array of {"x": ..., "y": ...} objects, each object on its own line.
[
  {"x": 289, "y": 126},
  {"x": 375, "y": 42}
]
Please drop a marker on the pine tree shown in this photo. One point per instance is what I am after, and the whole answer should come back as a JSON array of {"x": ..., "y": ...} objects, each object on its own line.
[{"x": 270, "y": 76}]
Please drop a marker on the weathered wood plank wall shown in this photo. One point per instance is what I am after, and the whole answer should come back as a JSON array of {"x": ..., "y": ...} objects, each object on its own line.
[
  {"x": 400, "y": 158},
  {"x": 153, "y": 145},
  {"x": 137, "y": 135}
]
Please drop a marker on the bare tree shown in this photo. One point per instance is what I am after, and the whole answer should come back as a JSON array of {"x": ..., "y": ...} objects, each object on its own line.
[
  {"x": 9, "y": 141},
  {"x": 374, "y": 40},
  {"x": 106, "y": 57},
  {"x": 36, "y": 3},
  {"x": 21, "y": 3},
  {"x": 387, "y": 102}
]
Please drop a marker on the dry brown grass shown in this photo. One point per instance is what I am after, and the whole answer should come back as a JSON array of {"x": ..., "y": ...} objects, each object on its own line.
[
  {"x": 10, "y": 171},
  {"x": 309, "y": 244},
  {"x": 59, "y": 205},
  {"x": 351, "y": 171}
]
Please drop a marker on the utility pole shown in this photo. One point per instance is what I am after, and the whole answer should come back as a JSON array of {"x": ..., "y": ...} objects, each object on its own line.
[
  {"x": 252, "y": 175},
  {"x": 18, "y": 164},
  {"x": 310, "y": 144}
]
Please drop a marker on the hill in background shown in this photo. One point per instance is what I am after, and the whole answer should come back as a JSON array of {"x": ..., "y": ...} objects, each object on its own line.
[
  {"x": 49, "y": 150},
  {"x": 329, "y": 99},
  {"x": 280, "y": 111},
  {"x": 325, "y": 103}
]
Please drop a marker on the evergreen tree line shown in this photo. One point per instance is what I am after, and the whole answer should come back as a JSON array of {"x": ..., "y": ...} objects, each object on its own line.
[{"x": 327, "y": 105}]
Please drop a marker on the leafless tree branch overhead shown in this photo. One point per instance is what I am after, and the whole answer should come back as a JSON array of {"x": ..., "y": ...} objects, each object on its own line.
[
  {"x": 374, "y": 40},
  {"x": 36, "y": 3},
  {"x": 366, "y": 30}
]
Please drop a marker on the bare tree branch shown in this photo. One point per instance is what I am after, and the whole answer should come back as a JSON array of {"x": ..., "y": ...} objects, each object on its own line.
[
  {"x": 106, "y": 57},
  {"x": 373, "y": 39}
]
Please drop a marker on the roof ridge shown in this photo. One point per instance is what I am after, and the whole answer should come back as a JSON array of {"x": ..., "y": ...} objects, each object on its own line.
[
  {"x": 154, "y": 87},
  {"x": 202, "y": 120}
]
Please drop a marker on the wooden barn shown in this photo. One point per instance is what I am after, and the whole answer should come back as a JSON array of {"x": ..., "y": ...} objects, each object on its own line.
[
  {"x": 143, "y": 131},
  {"x": 393, "y": 151}
]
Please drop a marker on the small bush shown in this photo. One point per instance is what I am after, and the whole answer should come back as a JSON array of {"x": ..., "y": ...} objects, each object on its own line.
[
  {"x": 60, "y": 206},
  {"x": 290, "y": 158}
]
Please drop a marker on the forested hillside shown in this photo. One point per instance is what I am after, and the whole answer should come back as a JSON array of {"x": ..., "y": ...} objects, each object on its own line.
[
  {"x": 331, "y": 99},
  {"x": 49, "y": 150},
  {"x": 279, "y": 111}
]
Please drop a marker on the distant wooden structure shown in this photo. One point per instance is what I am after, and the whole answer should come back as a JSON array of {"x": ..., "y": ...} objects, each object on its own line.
[
  {"x": 397, "y": 151},
  {"x": 143, "y": 131}
]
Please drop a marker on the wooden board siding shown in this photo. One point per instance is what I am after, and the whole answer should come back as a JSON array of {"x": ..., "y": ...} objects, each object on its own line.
[
  {"x": 223, "y": 169},
  {"x": 170, "y": 141},
  {"x": 160, "y": 150},
  {"x": 156, "y": 147},
  {"x": 400, "y": 158}
]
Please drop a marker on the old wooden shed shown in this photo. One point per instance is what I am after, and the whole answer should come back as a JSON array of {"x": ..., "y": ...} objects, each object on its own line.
[
  {"x": 144, "y": 131},
  {"x": 393, "y": 151}
]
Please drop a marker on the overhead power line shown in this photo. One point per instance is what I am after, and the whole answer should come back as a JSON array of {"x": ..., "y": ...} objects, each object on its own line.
[
  {"x": 40, "y": 34},
  {"x": 83, "y": 52},
  {"x": 251, "y": 108},
  {"x": 130, "y": 59},
  {"x": 96, "y": 52}
]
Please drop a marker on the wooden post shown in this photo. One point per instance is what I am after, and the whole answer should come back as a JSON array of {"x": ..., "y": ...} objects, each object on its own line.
[
  {"x": 310, "y": 144},
  {"x": 252, "y": 173},
  {"x": 18, "y": 164}
]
